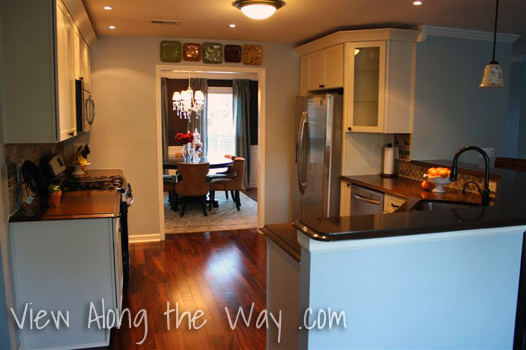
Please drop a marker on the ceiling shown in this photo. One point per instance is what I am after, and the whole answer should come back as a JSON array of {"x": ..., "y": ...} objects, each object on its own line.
[{"x": 300, "y": 20}]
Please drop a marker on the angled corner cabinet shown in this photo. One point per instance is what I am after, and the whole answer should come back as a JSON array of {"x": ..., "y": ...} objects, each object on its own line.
[
  {"x": 43, "y": 53},
  {"x": 376, "y": 70}
]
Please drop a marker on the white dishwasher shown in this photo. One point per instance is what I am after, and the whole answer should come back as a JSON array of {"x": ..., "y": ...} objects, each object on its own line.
[{"x": 365, "y": 201}]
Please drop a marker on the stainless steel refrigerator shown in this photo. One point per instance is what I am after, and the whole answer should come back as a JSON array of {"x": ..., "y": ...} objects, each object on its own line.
[{"x": 318, "y": 156}]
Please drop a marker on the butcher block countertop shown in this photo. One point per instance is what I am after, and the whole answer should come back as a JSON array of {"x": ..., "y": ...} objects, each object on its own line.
[{"x": 87, "y": 204}]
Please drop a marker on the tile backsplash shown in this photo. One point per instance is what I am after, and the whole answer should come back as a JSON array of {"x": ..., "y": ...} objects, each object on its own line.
[
  {"x": 403, "y": 142},
  {"x": 16, "y": 155},
  {"x": 416, "y": 172}
]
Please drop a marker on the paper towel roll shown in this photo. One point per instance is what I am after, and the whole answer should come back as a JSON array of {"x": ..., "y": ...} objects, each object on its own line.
[{"x": 388, "y": 160}]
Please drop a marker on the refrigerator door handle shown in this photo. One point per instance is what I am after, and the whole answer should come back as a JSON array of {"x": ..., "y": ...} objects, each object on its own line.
[{"x": 301, "y": 154}]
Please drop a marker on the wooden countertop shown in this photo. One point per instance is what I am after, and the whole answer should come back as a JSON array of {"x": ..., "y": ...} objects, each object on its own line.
[
  {"x": 88, "y": 204},
  {"x": 286, "y": 237}
]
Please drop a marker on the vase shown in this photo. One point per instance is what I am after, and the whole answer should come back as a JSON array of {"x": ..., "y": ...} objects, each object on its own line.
[{"x": 187, "y": 152}]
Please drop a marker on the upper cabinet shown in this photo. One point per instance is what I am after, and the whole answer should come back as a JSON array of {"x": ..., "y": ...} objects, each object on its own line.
[
  {"x": 44, "y": 52},
  {"x": 376, "y": 70},
  {"x": 322, "y": 70}
]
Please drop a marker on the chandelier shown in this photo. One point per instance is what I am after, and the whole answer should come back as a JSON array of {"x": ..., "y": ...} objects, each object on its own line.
[{"x": 186, "y": 102}]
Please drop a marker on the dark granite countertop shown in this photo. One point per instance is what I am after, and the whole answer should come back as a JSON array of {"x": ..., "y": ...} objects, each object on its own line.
[
  {"x": 285, "y": 236},
  {"x": 507, "y": 210}
]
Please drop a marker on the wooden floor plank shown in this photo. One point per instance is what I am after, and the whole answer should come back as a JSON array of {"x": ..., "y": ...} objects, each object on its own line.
[{"x": 199, "y": 271}]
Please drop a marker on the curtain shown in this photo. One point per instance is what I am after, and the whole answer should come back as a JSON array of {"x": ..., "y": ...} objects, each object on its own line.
[
  {"x": 165, "y": 114},
  {"x": 241, "y": 96},
  {"x": 199, "y": 120}
]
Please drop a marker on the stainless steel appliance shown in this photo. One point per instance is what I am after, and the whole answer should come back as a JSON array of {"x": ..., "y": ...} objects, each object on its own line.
[
  {"x": 318, "y": 156},
  {"x": 365, "y": 201},
  {"x": 85, "y": 106}
]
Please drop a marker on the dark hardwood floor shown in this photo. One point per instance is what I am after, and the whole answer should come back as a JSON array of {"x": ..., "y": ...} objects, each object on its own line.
[
  {"x": 205, "y": 271},
  {"x": 252, "y": 193}
]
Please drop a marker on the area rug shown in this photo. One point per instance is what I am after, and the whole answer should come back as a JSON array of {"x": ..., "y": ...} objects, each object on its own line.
[{"x": 226, "y": 217}]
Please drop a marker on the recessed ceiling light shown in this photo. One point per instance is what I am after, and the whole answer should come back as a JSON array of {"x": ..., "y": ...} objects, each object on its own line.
[
  {"x": 232, "y": 25},
  {"x": 111, "y": 27},
  {"x": 109, "y": 8},
  {"x": 417, "y": 3},
  {"x": 258, "y": 9}
]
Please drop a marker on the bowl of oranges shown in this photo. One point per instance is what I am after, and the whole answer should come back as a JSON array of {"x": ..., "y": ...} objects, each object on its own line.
[{"x": 436, "y": 179}]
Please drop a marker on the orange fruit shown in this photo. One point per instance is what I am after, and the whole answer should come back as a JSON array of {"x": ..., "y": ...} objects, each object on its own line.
[
  {"x": 426, "y": 185},
  {"x": 432, "y": 172},
  {"x": 443, "y": 173}
]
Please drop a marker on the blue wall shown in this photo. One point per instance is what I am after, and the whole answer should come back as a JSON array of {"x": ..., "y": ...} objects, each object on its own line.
[
  {"x": 517, "y": 110},
  {"x": 456, "y": 293}
]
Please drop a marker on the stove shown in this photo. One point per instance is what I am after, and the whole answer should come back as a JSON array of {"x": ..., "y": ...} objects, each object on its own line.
[{"x": 93, "y": 183}]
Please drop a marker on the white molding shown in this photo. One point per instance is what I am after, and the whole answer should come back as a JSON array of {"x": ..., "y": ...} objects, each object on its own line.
[
  {"x": 470, "y": 34},
  {"x": 518, "y": 58},
  {"x": 315, "y": 246},
  {"x": 148, "y": 237},
  {"x": 358, "y": 36},
  {"x": 78, "y": 12}
]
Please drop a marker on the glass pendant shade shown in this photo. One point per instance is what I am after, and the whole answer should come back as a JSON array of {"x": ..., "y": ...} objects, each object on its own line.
[
  {"x": 258, "y": 9},
  {"x": 258, "y": 12},
  {"x": 492, "y": 77}
]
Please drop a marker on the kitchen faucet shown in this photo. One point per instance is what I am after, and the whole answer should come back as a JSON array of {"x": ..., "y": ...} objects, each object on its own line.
[{"x": 454, "y": 171}]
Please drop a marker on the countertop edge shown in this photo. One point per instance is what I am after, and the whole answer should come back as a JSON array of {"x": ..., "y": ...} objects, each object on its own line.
[{"x": 280, "y": 242}]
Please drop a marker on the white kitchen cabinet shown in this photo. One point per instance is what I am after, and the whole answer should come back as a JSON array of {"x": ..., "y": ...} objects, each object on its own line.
[
  {"x": 392, "y": 203},
  {"x": 66, "y": 265},
  {"x": 322, "y": 69},
  {"x": 345, "y": 199},
  {"x": 378, "y": 86},
  {"x": 42, "y": 49}
]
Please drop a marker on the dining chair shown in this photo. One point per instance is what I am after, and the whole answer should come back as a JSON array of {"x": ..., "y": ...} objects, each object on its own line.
[
  {"x": 510, "y": 163},
  {"x": 193, "y": 183},
  {"x": 233, "y": 183},
  {"x": 229, "y": 172},
  {"x": 169, "y": 186}
]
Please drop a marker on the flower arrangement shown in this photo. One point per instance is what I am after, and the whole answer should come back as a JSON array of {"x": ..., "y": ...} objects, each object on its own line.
[{"x": 183, "y": 139}]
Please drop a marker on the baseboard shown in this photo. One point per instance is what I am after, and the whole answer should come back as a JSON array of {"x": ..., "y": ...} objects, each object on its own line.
[{"x": 148, "y": 237}]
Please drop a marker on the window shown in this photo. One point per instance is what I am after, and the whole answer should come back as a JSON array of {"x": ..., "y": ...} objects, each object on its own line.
[{"x": 221, "y": 130}]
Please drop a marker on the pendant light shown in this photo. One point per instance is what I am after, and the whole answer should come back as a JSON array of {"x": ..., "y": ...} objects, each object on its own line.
[
  {"x": 492, "y": 77},
  {"x": 258, "y": 9}
]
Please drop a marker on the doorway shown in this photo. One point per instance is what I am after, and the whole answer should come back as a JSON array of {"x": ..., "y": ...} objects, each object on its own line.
[{"x": 220, "y": 140}]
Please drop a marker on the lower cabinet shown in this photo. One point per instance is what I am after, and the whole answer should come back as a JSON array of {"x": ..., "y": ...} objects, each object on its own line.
[
  {"x": 71, "y": 266},
  {"x": 283, "y": 295}
]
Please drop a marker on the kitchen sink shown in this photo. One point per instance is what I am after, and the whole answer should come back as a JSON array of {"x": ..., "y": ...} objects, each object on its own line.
[{"x": 428, "y": 204}]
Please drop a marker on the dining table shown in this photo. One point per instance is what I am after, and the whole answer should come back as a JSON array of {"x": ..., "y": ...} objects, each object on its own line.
[{"x": 214, "y": 161}]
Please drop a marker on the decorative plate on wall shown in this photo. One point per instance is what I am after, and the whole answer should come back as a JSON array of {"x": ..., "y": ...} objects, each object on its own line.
[
  {"x": 233, "y": 53},
  {"x": 171, "y": 51},
  {"x": 212, "y": 53},
  {"x": 192, "y": 52},
  {"x": 253, "y": 55}
]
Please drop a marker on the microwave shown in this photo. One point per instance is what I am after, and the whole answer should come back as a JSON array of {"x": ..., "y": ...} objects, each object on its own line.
[{"x": 85, "y": 106}]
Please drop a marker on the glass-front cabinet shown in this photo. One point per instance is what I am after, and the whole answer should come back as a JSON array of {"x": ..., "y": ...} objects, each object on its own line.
[
  {"x": 378, "y": 87},
  {"x": 365, "y": 86}
]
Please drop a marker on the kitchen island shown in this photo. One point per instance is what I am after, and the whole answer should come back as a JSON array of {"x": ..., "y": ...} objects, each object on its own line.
[{"x": 414, "y": 279}]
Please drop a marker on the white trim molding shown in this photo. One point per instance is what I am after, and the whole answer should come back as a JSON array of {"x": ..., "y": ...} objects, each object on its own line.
[
  {"x": 467, "y": 34},
  {"x": 147, "y": 237},
  {"x": 518, "y": 58}
]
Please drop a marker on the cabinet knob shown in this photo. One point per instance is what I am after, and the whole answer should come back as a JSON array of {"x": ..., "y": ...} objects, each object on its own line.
[
  {"x": 72, "y": 134},
  {"x": 349, "y": 128},
  {"x": 321, "y": 86}
]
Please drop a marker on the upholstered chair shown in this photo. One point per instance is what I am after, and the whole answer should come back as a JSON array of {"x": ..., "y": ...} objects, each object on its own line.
[
  {"x": 193, "y": 184},
  {"x": 232, "y": 183}
]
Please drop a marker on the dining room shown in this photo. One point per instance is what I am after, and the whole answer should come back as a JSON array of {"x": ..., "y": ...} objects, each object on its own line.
[{"x": 209, "y": 129}]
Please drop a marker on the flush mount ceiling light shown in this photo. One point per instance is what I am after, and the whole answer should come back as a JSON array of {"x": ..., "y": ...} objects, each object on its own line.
[
  {"x": 492, "y": 77},
  {"x": 258, "y": 9}
]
